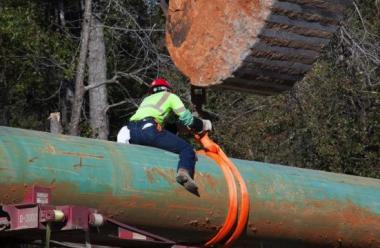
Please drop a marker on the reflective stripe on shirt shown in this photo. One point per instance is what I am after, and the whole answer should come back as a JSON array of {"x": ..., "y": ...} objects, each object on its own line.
[
  {"x": 179, "y": 111},
  {"x": 159, "y": 104}
]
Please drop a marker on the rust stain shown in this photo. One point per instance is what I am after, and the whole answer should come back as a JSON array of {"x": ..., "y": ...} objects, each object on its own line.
[
  {"x": 248, "y": 6},
  {"x": 52, "y": 150},
  {"x": 156, "y": 172},
  {"x": 49, "y": 149},
  {"x": 169, "y": 177},
  {"x": 227, "y": 29},
  {"x": 193, "y": 223},
  {"x": 149, "y": 205},
  {"x": 183, "y": 207},
  {"x": 149, "y": 175},
  {"x": 321, "y": 226},
  {"x": 210, "y": 181},
  {"x": 82, "y": 155}
]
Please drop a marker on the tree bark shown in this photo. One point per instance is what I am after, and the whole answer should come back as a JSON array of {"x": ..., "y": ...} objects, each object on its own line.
[
  {"x": 97, "y": 73},
  {"x": 81, "y": 67}
]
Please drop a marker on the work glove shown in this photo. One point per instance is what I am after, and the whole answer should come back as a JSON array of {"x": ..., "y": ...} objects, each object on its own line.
[{"x": 207, "y": 126}]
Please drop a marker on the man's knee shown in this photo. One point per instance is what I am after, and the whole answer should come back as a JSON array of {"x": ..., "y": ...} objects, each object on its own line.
[{"x": 189, "y": 152}]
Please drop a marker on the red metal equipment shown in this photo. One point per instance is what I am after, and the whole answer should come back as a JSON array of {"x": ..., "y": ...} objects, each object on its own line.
[{"x": 67, "y": 226}]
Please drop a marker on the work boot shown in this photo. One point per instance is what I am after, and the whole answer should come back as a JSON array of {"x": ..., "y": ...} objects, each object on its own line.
[{"x": 186, "y": 181}]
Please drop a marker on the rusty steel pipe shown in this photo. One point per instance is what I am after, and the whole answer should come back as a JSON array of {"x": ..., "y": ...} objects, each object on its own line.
[
  {"x": 290, "y": 207},
  {"x": 257, "y": 46}
]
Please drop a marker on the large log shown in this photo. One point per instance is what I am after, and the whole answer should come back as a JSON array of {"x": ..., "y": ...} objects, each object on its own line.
[
  {"x": 260, "y": 46},
  {"x": 290, "y": 207}
]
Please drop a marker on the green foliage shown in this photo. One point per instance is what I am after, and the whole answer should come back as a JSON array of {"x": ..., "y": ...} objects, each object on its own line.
[{"x": 34, "y": 60}]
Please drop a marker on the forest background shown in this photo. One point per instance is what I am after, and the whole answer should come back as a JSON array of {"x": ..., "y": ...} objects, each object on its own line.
[{"x": 328, "y": 121}]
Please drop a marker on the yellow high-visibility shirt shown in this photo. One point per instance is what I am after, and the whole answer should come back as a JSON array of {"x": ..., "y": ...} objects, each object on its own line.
[{"x": 159, "y": 105}]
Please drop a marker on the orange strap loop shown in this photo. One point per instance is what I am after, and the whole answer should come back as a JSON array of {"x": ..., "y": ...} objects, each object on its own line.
[
  {"x": 230, "y": 171},
  {"x": 233, "y": 202}
]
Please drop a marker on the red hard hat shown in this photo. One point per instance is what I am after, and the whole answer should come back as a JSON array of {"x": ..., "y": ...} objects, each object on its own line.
[{"x": 160, "y": 82}]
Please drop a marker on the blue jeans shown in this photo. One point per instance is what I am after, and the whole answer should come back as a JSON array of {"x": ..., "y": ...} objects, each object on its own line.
[{"x": 146, "y": 133}]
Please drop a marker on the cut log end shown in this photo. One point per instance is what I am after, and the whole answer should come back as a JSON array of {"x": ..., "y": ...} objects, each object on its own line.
[{"x": 250, "y": 45}]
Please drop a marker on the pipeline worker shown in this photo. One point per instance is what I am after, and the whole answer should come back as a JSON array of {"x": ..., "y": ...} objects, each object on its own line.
[{"x": 146, "y": 128}]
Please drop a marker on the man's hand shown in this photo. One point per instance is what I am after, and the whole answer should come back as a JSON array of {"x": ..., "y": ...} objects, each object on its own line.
[
  {"x": 200, "y": 125},
  {"x": 207, "y": 126}
]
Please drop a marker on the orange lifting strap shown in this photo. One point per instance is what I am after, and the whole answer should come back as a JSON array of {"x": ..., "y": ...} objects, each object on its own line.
[{"x": 231, "y": 173}]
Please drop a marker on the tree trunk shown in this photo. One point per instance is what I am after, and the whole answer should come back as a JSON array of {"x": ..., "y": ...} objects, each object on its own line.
[
  {"x": 55, "y": 123},
  {"x": 5, "y": 115},
  {"x": 97, "y": 73},
  {"x": 4, "y": 110},
  {"x": 61, "y": 13},
  {"x": 79, "y": 85},
  {"x": 66, "y": 103}
]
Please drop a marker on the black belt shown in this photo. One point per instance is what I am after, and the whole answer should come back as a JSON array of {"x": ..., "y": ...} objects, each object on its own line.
[{"x": 145, "y": 119}]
